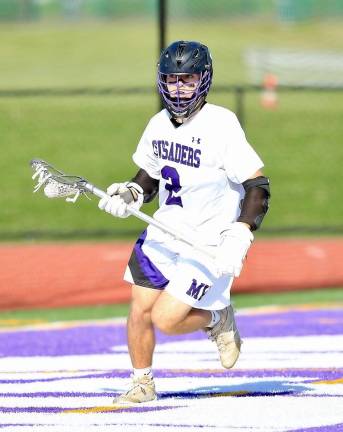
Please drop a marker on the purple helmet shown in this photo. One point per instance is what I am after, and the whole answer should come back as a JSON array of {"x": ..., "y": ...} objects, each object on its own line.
[{"x": 183, "y": 57}]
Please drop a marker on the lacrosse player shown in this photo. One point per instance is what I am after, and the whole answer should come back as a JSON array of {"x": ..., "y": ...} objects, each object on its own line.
[{"x": 209, "y": 182}]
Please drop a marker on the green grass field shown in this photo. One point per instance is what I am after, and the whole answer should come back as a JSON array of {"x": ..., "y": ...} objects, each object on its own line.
[
  {"x": 94, "y": 136},
  {"x": 88, "y": 136},
  {"x": 124, "y": 52}
]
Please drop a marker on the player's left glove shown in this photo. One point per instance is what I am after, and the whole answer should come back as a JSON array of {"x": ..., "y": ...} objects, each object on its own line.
[
  {"x": 232, "y": 250},
  {"x": 122, "y": 194}
]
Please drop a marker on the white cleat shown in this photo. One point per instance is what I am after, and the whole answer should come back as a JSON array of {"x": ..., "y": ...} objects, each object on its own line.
[
  {"x": 142, "y": 390},
  {"x": 225, "y": 335}
]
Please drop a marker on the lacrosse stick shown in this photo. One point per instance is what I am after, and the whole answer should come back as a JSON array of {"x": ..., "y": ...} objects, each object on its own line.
[{"x": 57, "y": 184}]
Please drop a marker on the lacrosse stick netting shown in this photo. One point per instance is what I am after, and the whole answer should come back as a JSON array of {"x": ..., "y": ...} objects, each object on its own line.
[{"x": 57, "y": 184}]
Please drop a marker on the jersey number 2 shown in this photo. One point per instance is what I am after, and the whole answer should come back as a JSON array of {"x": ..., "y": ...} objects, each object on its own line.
[{"x": 170, "y": 174}]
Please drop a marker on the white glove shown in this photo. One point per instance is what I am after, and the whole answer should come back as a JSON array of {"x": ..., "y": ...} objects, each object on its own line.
[
  {"x": 233, "y": 247},
  {"x": 122, "y": 194}
]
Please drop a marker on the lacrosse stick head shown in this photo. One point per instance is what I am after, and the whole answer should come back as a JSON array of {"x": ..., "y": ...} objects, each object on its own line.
[{"x": 56, "y": 183}]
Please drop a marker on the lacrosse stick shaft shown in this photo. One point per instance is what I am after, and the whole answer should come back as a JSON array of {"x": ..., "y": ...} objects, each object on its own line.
[
  {"x": 48, "y": 175},
  {"x": 149, "y": 220}
]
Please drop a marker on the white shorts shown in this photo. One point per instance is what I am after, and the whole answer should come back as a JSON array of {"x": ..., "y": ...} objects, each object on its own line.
[{"x": 160, "y": 262}]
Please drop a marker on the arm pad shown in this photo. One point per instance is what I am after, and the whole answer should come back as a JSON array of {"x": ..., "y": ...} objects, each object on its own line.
[
  {"x": 147, "y": 183},
  {"x": 255, "y": 203}
]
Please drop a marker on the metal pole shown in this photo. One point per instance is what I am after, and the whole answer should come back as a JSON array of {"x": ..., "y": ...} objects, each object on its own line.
[
  {"x": 162, "y": 21},
  {"x": 162, "y": 25},
  {"x": 239, "y": 93}
]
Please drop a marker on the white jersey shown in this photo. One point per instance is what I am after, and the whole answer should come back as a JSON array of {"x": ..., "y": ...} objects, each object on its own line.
[{"x": 200, "y": 165}]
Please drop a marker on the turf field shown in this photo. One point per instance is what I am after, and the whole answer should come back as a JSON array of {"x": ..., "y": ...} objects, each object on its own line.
[
  {"x": 95, "y": 135},
  {"x": 63, "y": 376}
]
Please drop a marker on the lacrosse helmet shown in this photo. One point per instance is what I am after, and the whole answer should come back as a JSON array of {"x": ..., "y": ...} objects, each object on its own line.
[{"x": 184, "y": 57}]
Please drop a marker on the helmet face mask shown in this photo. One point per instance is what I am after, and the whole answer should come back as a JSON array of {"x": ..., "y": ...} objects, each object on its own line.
[
  {"x": 184, "y": 77},
  {"x": 182, "y": 86}
]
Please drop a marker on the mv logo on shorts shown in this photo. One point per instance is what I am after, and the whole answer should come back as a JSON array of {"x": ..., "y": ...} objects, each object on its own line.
[{"x": 197, "y": 291}]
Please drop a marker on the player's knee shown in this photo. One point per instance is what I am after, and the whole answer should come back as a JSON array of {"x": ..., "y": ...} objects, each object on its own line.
[
  {"x": 139, "y": 314},
  {"x": 163, "y": 321},
  {"x": 142, "y": 303},
  {"x": 165, "y": 327}
]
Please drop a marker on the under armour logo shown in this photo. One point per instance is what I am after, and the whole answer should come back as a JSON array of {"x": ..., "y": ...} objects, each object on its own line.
[
  {"x": 197, "y": 291},
  {"x": 196, "y": 140}
]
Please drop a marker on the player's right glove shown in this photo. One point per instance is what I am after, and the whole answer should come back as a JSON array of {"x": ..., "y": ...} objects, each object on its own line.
[
  {"x": 122, "y": 194},
  {"x": 232, "y": 250}
]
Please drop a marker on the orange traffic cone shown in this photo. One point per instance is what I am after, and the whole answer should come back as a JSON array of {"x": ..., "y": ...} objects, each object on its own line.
[{"x": 269, "y": 97}]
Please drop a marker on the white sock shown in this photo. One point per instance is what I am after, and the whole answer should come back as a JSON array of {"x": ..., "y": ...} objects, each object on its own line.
[
  {"x": 215, "y": 317},
  {"x": 138, "y": 373}
]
